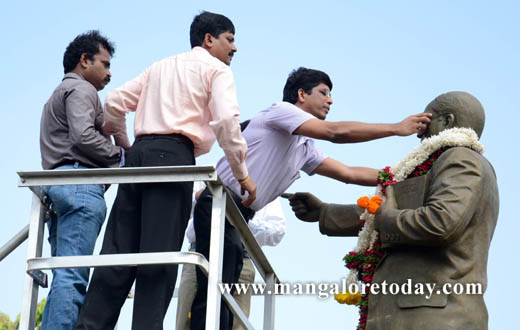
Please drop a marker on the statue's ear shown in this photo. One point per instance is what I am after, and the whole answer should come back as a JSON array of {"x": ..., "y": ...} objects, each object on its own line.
[{"x": 448, "y": 120}]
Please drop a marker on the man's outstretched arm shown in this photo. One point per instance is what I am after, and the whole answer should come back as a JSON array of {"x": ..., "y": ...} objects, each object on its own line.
[
  {"x": 351, "y": 132},
  {"x": 363, "y": 176}
]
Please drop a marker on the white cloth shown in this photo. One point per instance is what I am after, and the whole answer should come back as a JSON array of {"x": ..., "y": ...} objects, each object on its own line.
[{"x": 268, "y": 224}]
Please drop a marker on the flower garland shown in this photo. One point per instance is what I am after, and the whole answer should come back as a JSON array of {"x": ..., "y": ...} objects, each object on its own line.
[{"x": 363, "y": 260}]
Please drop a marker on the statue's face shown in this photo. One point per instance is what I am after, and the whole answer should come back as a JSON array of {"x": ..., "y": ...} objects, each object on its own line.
[
  {"x": 454, "y": 109},
  {"x": 437, "y": 124}
]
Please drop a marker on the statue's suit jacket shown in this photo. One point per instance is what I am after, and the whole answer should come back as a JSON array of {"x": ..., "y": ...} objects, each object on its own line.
[{"x": 444, "y": 240}]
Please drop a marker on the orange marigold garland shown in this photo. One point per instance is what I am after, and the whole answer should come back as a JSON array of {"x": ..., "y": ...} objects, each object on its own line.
[{"x": 365, "y": 262}]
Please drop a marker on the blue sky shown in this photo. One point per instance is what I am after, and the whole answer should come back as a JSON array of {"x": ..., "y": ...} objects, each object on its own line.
[{"x": 386, "y": 59}]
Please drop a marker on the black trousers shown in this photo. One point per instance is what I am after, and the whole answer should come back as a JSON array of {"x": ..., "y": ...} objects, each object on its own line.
[
  {"x": 146, "y": 217},
  {"x": 232, "y": 263}
]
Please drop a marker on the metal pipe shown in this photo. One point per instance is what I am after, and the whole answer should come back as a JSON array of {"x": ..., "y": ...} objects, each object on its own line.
[
  {"x": 253, "y": 249},
  {"x": 122, "y": 259},
  {"x": 14, "y": 242},
  {"x": 240, "y": 316},
  {"x": 216, "y": 256},
  {"x": 34, "y": 250},
  {"x": 269, "y": 304},
  {"x": 118, "y": 175}
]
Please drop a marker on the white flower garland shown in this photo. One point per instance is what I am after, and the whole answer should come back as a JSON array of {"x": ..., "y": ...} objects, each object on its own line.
[{"x": 453, "y": 137}]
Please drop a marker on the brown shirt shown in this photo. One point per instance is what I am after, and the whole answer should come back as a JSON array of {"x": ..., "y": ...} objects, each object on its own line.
[{"x": 70, "y": 127}]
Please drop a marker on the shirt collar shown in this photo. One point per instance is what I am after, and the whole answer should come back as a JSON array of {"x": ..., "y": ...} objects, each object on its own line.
[
  {"x": 200, "y": 49},
  {"x": 72, "y": 75}
]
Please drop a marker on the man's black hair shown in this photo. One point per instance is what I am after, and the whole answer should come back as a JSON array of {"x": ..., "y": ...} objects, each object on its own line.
[
  {"x": 211, "y": 23},
  {"x": 87, "y": 43},
  {"x": 305, "y": 79}
]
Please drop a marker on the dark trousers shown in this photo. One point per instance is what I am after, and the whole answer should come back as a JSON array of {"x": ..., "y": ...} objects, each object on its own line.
[
  {"x": 232, "y": 263},
  {"x": 146, "y": 217}
]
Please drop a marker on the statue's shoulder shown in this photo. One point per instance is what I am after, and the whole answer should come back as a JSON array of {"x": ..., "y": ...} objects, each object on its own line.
[
  {"x": 462, "y": 157},
  {"x": 455, "y": 154}
]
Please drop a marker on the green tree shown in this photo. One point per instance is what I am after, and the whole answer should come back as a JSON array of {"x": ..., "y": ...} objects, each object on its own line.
[
  {"x": 6, "y": 324},
  {"x": 39, "y": 313}
]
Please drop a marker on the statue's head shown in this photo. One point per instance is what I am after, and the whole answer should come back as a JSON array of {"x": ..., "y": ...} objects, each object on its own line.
[{"x": 454, "y": 109}]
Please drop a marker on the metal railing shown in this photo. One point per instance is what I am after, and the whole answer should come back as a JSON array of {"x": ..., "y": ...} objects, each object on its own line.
[{"x": 223, "y": 206}]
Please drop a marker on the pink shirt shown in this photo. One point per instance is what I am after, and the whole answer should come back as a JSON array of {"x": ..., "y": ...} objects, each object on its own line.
[{"x": 192, "y": 94}]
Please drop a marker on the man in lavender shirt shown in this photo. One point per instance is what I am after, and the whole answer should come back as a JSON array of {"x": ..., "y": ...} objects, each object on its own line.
[{"x": 280, "y": 144}]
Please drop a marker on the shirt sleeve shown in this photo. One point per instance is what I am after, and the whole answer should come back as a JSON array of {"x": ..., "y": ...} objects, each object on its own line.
[
  {"x": 286, "y": 117},
  {"x": 117, "y": 104},
  {"x": 313, "y": 156},
  {"x": 268, "y": 224},
  {"x": 80, "y": 106},
  {"x": 224, "y": 109}
]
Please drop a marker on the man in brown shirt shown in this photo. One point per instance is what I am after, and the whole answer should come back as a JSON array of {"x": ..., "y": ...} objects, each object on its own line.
[{"x": 71, "y": 138}]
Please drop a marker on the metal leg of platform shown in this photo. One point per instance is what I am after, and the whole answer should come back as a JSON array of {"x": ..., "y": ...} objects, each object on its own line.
[
  {"x": 216, "y": 256},
  {"x": 269, "y": 302},
  {"x": 34, "y": 250}
]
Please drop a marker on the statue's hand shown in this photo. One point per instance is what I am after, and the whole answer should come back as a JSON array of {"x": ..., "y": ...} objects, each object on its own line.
[
  {"x": 305, "y": 206},
  {"x": 390, "y": 202}
]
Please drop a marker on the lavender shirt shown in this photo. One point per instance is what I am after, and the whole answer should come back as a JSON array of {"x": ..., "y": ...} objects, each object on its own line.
[{"x": 275, "y": 155}]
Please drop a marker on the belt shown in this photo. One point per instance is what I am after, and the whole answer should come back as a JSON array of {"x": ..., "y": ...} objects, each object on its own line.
[
  {"x": 71, "y": 162},
  {"x": 174, "y": 136}
]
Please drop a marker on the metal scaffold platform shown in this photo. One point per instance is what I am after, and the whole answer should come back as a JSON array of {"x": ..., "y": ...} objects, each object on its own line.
[{"x": 223, "y": 206}]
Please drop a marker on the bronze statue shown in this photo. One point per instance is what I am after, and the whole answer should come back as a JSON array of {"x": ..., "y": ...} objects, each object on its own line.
[{"x": 433, "y": 231}]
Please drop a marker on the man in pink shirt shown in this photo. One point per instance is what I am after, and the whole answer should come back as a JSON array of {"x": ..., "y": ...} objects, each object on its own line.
[{"x": 183, "y": 104}]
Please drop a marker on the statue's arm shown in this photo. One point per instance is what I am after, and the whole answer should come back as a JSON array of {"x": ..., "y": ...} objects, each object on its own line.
[
  {"x": 334, "y": 219},
  {"x": 340, "y": 220},
  {"x": 455, "y": 190}
]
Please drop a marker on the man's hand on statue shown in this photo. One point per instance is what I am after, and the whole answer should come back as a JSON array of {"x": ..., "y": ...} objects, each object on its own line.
[
  {"x": 305, "y": 206},
  {"x": 415, "y": 124}
]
